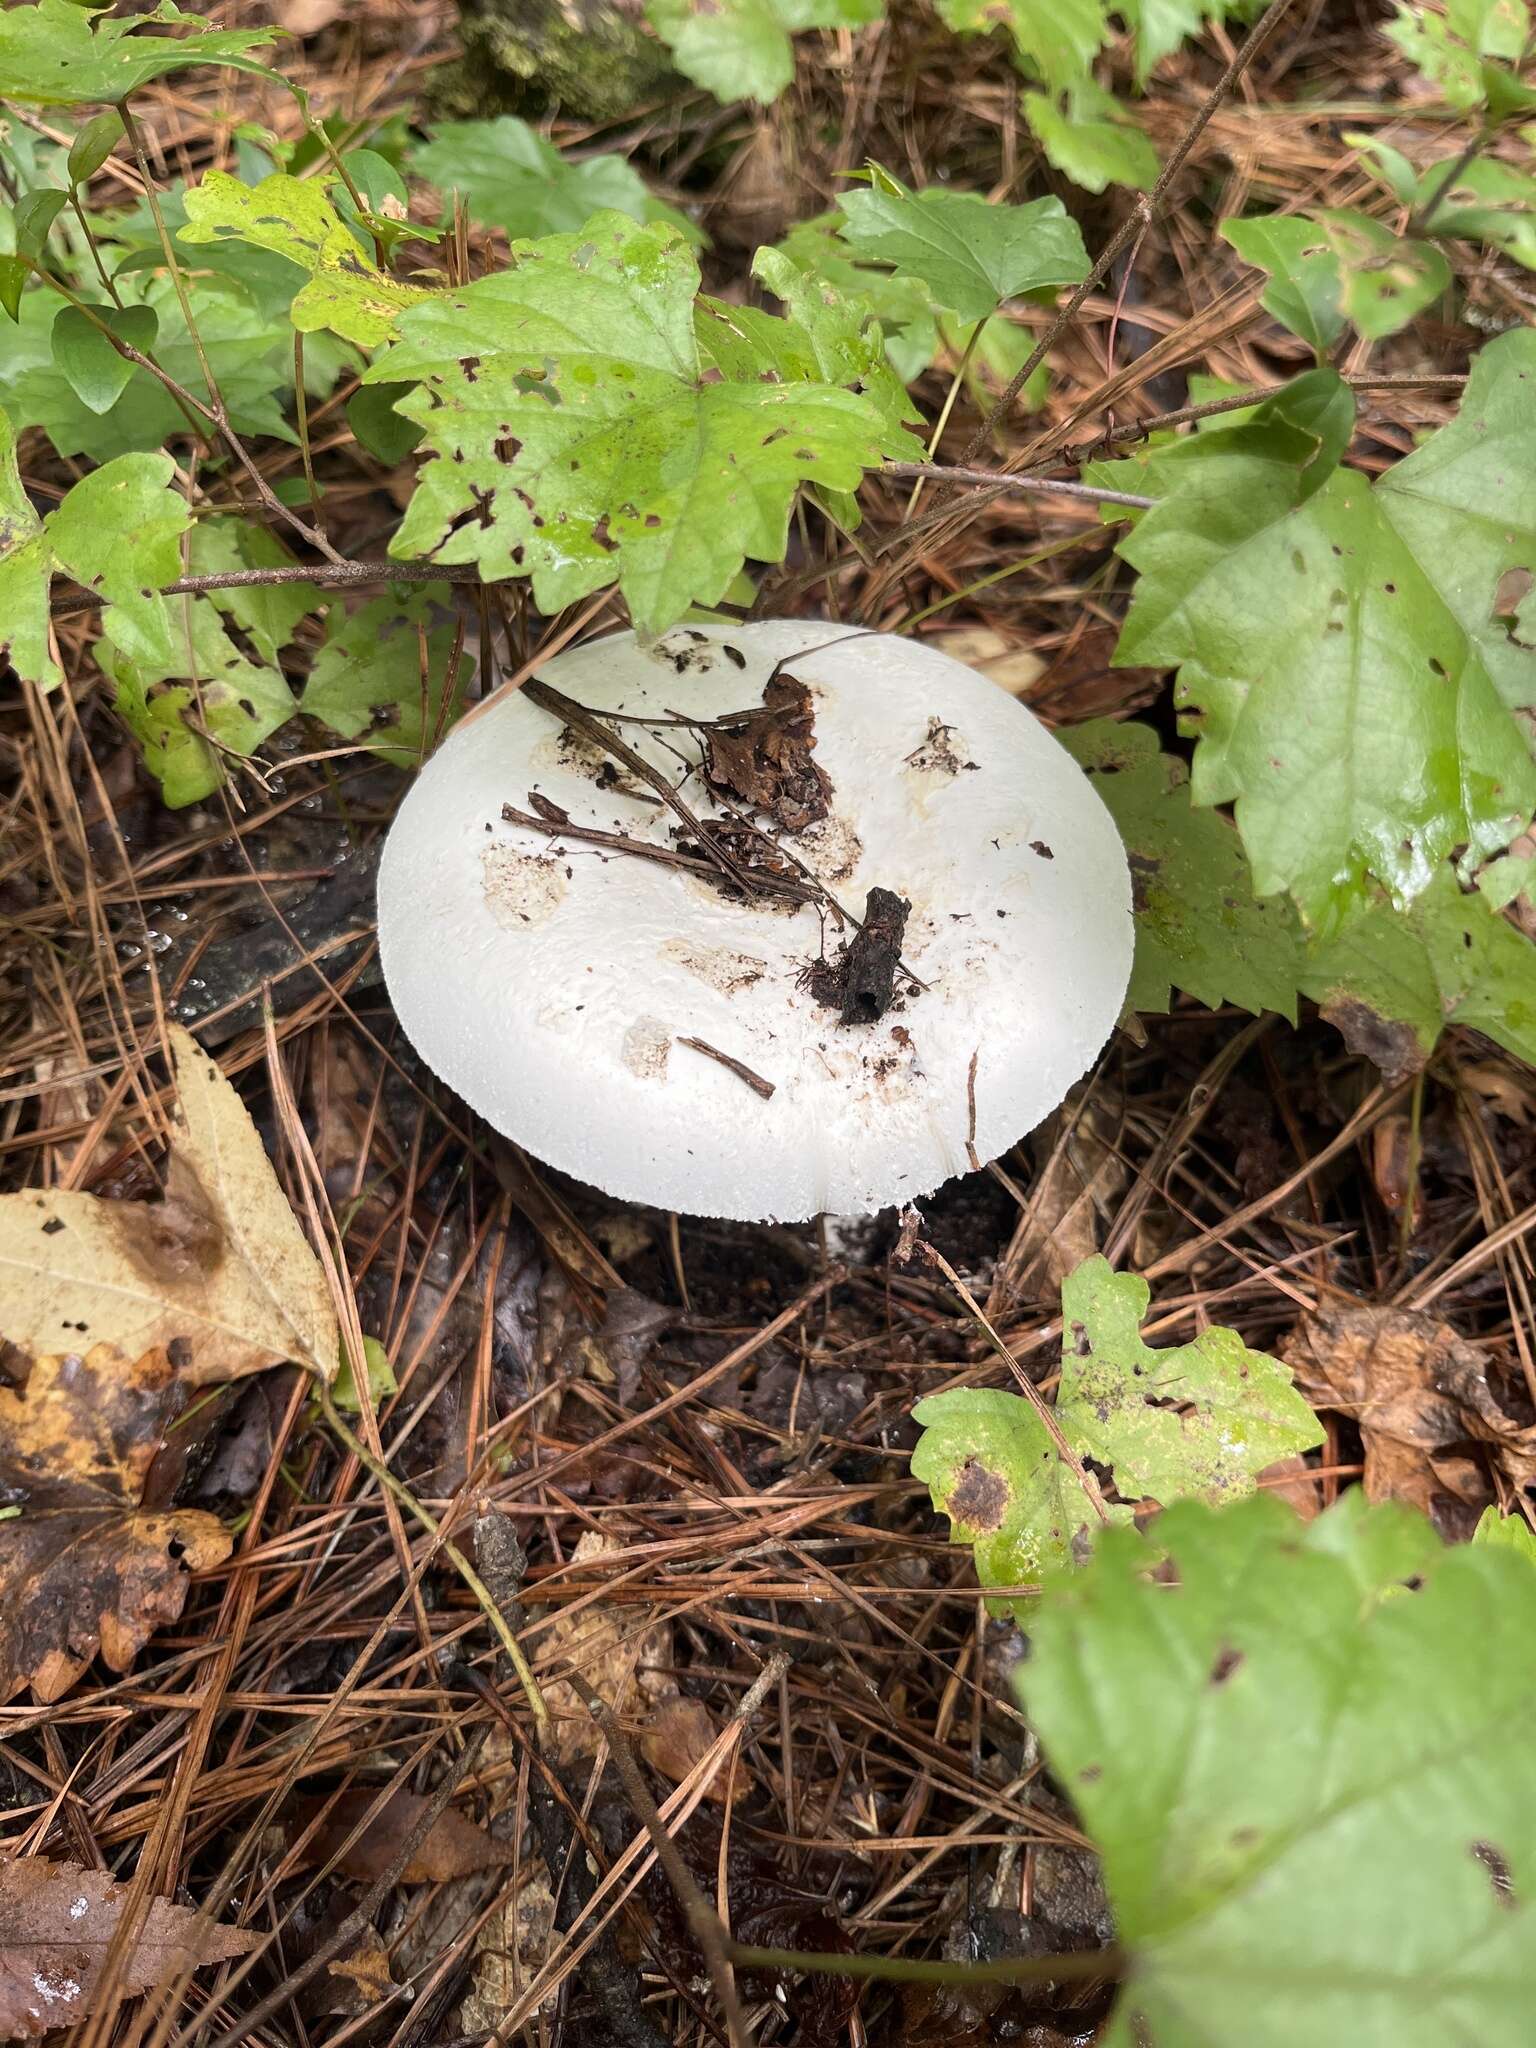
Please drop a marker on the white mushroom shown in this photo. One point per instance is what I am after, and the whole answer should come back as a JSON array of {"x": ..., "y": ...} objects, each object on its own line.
[{"x": 644, "y": 1025}]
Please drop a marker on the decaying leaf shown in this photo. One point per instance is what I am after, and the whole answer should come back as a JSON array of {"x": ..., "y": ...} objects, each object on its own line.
[
  {"x": 510, "y": 1950},
  {"x": 765, "y": 760},
  {"x": 218, "y": 1275},
  {"x": 113, "y": 1314},
  {"x": 56, "y": 1923},
  {"x": 1198, "y": 1420},
  {"x": 677, "y": 1737},
  {"x": 621, "y": 1659},
  {"x": 454, "y": 1845},
  {"x": 1422, "y": 1399},
  {"x": 84, "y": 1565}
]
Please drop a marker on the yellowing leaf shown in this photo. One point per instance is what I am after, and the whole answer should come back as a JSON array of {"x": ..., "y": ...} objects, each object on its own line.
[
  {"x": 218, "y": 1275},
  {"x": 291, "y": 217}
]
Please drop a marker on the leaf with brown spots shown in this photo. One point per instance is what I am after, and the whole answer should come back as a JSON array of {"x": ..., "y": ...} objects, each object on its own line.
[
  {"x": 218, "y": 1275},
  {"x": 1198, "y": 1421},
  {"x": 85, "y": 1565},
  {"x": 57, "y": 1921}
]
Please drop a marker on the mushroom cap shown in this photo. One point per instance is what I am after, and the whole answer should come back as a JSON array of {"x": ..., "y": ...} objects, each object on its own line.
[{"x": 550, "y": 982}]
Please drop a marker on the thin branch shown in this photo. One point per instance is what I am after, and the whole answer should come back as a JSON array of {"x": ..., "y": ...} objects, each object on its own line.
[
  {"x": 1005, "y": 480},
  {"x": 333, "y": 574}
]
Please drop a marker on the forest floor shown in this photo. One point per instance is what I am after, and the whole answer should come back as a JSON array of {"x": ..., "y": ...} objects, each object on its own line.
[{"x": 699, "y": 1432}]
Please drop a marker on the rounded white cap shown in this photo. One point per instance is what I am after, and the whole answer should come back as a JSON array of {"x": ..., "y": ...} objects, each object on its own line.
[{"x": 551, "y": 982}]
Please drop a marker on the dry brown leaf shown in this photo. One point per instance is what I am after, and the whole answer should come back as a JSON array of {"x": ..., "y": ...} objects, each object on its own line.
[
  {"x": 355, "y": 1982},
  {"x": 621, "y": 1658},
  {"x": 57, "y": 1921},
  {"x": 1421, "y": 1397},
  {"x": 676, "y": 1739},
  {"x": 455, "y": 1846},
  {"x": 83, "y": 1566},
  {"x": 218, "y": 1275},
  {"x": 510, "y": 1950}
]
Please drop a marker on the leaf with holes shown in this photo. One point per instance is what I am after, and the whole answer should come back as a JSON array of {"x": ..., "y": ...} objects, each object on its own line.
[
  {"x": 383, "y": 673},
  {"x": 58, "y": 1929},
  {"x": 56, "y": 54},
  {"x": 347, "y": 293},
  {"x": 1313, "y": 1790},
  {"x": 585, "y": 433},
  {"x": 1342, "y": 657},
  {"x": 971, "y": 254},
  {"x": 1340, "y": 268},
  {"x": 1197, "y": 1421},
  {"x": 200, "y": 705},
  {"x": 740, "y": 49}
]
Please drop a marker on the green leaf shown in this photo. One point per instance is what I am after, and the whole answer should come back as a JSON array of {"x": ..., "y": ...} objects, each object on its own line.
[
  {"x": 269, "y": 614},
  {"x": 381, "y": 1379},
  {"x": 372, "y": 417},
  {"x": 250, "y": 363},
  {"x": 382, "y": 675},
  {"x": 200, "y": 701},
  {"x": 93, "y": 144},
  {"x": 1304, "y": 295},
  {"x": 1160, "y": 27},
  {"x": 989, "y": 1464},
  {"x": 1089, "y": 138},
  {"x": 55, "y": 54},
  {"x": 1471, "y": 53},
  {"x": 13, "y": 282},
  {"x": 511, "y": 177},
  {"x": 25, "y": 561},
  {"x": 903, "y": 306},
  {"x": 577, "y": 417},
  {"x": 1054, "y": 40},
  {"x": 1313, "y": 1793},
  {"x": 97, "y": 374},
  {"x": 971, "y": 253},
  {"x": 1506, "y": 1532},
  {"x": 740, "y": 49},
  {"x": 1341, "y": 659},
  {"x": 1199, "y": 926},
  {"x": 1385, "y": 280},
  {"x": 1511, "y": 876},
  {"x": 1393, "y": 980},
  {"x": 1197, "y": 1421},
  {"x": 347, "y": 293},
  {"x": 35, "y": 214},
  {"x": 1488, "y": 201},
  {"x": 118, "y": 531},
  {"x": 825, "y": 338}
]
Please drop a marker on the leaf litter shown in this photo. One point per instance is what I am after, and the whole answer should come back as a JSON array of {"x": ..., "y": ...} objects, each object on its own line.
[{"x": 891, "y": 1788}]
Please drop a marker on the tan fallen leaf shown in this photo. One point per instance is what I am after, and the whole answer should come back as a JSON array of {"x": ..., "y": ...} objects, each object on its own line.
[
  {"x": 57, "y": 1921},
  {"x": 218, "y": 1274},
  {"x": 454, "y": 1846},
  {"x": 1001, "y": 661},
  {"x": 510, "y": 1950},
  {"x": 83, "y": 1567},
  {"x": 678, "y": 1736},
  {"x": 620, "y": 1657}
]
